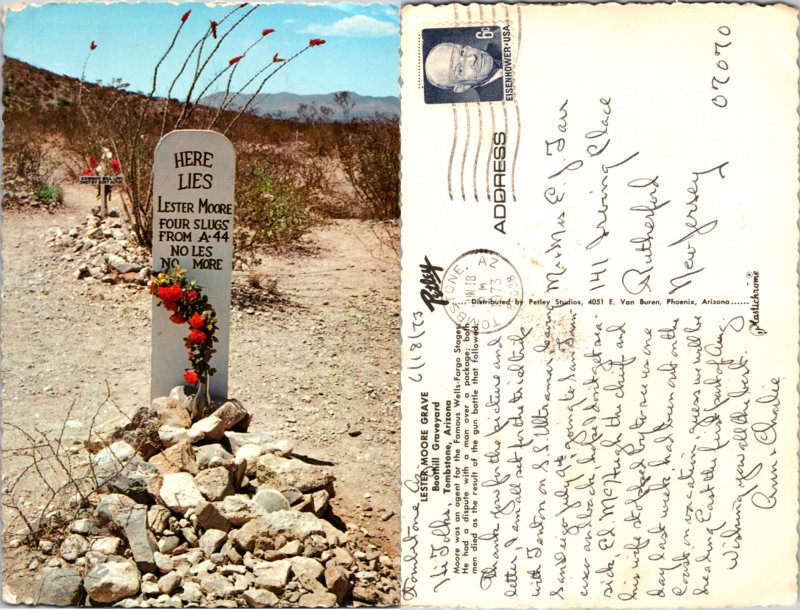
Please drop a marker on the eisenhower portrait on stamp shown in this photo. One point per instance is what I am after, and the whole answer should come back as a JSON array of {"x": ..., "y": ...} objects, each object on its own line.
[{"x": 462, "y": 64}]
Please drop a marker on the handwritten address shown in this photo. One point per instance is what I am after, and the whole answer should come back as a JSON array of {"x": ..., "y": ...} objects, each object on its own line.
[{"x": 609, "y": 418}]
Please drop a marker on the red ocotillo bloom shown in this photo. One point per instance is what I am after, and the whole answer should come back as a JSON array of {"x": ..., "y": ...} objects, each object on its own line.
[
  {"x": 267, "y": 31},
  {"x": 214, "y": 25},
  {"x": 185, "y": 16},
  {"x": 315, "y": 42},
  {"x": 276, "y": 59},
  {"x": 93, "y": 46},
  {"x": 235, "y": 60}
]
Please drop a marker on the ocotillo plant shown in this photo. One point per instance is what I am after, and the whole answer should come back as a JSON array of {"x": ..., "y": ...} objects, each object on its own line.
[{"x": 129, "y": 125}]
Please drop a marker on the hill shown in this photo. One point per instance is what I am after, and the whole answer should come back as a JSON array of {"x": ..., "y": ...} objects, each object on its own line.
[
  {"x": 285, "y": 105},
  {"x": 26, "y": 87}
]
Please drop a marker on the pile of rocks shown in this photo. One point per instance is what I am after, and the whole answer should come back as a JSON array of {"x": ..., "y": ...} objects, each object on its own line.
[
  {"x": 18, "y": 192},
  {"x": 103, "y": 249},
  {"x": 209, "y": 514}
]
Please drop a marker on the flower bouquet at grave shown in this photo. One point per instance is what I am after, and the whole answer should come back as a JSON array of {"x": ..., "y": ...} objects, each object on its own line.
[
  {"x": 185, "y": 299},
  {"x": 106, "y": 166}
]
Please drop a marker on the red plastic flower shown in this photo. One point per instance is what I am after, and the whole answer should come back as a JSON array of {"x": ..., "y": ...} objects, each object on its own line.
[
  {"x": 276, "y": 59},
  {"x": 197, "y": 321},
  {"x": 88, "y": 172},
  {"x": 170, "y": 294},
  {"x": 190, "y": 377},
  {"x": 93, "y": 163},
  {"x": 177, "y": 318},
  {"x": 115, "y": 166},
  {"x": 214, "y": 25},
  {"x": 197, "y": 336},
  {"x": 267, "y": 32},
  {"x": 315, "y": 42},
  {"x": 191, "y": 295},
  {"x": 235, "y": 60},
  {"x": 185, "y": 16},
  {"x": 93, "y": 46},
  {"x": 171, "y": 305}
]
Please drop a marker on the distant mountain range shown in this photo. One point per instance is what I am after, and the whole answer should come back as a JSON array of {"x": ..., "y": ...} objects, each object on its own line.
[
  {"x": 285, "y": 105},
  {"x": 26, "y": 87}
]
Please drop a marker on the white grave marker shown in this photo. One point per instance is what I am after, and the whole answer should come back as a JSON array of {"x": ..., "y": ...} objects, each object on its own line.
[{"x": 193, "y": 180}]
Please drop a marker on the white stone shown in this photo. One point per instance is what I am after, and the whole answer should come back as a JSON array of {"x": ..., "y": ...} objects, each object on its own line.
[
  {"x": 112, "y": 581},
  {"x": 273, "y": 575},
  {"x": 306, "y": 566},
  {"x": 211, "y": 541},
  {"x": 73, "y": 547},
  {"x": 81, "y": 526},
  {"x": 191, "y": 593},
  {"x": 239, "y": 509},
  {"x": 108, "y": 545},
  {"x": 211, "y": 428},
  {"x": 179, "y": 492},
  {"x": 110, "y": 460},
  {"x": 260, "y": 598},
  {"x": 250, "y": 454},
  {"x": 271, "y": 500},
  {"x": 216, "y": 585},
  {"x": 170, "y": 435}
]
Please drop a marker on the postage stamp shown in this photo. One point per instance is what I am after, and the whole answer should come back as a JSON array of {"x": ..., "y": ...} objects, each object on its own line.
[{"x": 467, "y": 64}]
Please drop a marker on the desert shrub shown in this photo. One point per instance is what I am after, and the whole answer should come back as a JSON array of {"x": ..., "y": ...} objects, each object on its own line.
[
  {"x": 276, "y": 200},
  {"x": 369, "y": 153},
  {"x": 25, "y": 156},
  {"x": 48, "y": 468},
  {"x": 47, "y": 193}
]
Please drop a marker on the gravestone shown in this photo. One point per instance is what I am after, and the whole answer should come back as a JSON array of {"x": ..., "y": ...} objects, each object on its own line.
[
  {"x": 193, "y": 190},
  {"x": 103, "y": 184}
]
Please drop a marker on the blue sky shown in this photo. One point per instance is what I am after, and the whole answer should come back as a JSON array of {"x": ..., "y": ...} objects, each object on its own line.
[{"x": 361, "y": 52}]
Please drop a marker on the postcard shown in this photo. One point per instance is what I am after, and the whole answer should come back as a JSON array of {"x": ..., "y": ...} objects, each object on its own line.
[
  {"x": 599, "y": 305},
  {"x": 200, "y": 398}
]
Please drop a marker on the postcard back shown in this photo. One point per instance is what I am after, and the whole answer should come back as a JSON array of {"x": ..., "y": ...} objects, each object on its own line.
[{"x": 599, "y": 305}]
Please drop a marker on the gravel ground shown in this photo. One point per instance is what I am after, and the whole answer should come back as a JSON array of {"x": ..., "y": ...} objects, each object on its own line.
[{"x": 315, "y": 358}]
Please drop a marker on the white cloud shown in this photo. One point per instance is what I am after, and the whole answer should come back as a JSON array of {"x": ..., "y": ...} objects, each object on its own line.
[
  {"x": 345, "y": 7},
  {"x": 390, "y": 11},
  {"x": 357, "y": 25},
  {"x": 289, "y": 21}
]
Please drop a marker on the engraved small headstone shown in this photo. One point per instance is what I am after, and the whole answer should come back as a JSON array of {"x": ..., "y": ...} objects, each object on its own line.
[{"x": 193, "y": 199}]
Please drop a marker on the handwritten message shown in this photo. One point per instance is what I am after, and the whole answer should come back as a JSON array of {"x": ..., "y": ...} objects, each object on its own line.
[{"x": 606, "y": 411}]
